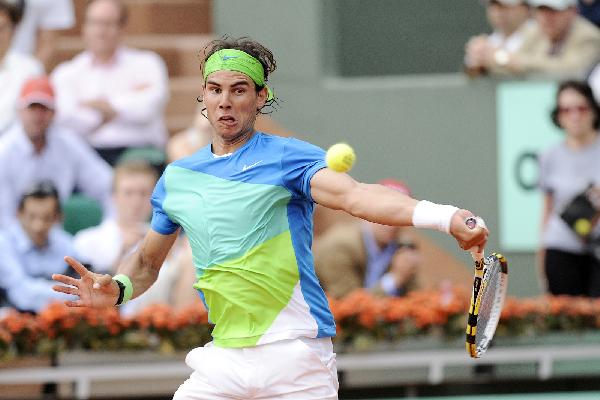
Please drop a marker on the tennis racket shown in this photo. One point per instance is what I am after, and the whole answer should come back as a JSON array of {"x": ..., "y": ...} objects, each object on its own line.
[{"x": 489, "y": 291}]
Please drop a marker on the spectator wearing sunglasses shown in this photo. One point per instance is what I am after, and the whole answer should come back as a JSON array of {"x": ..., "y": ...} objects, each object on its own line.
[
  {"x": 360, "y": 254},
  {"x": 570, "y": 181}
]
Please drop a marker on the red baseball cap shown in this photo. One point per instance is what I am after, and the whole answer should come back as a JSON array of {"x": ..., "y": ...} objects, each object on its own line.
[
  {"x": 37, "y": 91},
  {"x": 396, "y": 185}
]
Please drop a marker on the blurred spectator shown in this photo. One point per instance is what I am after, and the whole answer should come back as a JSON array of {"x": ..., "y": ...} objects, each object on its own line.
[
  {"x": 111, "y": 94},
  {"x": 364, "y": 254},
  {"x": 561, "y": 43},
  {"x": 15, "y": 68},
  {"x": 105, "y": 245},
  {"x": 35, "y": 149},
  {"x": 567, "y": 169},
  {"x": 37, "y": 32},
  {"x": 590, "y": 9},
  {"x": 593, "y": 79},
  {"x": 191, "y": 139},
  {"x": 32, "y": 249},
  {"x": 509, "y": 19}
]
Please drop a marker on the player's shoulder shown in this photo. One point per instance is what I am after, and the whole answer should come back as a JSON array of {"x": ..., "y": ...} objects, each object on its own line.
[
  {"x": 189, "y": 162},
  {"x": 288, "y": 143}
]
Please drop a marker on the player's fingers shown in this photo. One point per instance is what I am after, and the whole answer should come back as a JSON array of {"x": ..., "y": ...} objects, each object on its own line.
[
  {"x": 76, "y": 303},
  {"x": 65, "y": 289},
  {"x": 102, "y": 280},
  {"x": 77, "y": 266},
  {"x": 480, "y": 222},
  {"x": 67, "y": 280}
]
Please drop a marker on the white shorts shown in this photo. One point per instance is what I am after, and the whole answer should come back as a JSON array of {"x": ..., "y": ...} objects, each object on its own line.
[{"x": 302, "y": 369}]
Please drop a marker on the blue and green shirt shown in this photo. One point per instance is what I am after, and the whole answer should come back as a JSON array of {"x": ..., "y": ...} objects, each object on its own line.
[{"x": 248, "y": 218}]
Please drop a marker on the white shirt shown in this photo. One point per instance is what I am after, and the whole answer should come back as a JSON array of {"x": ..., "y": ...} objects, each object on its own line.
[
  {"x": 41, "y": 15},
  {"x": 594, "y": 81},
  {"x": 511, "y": 43},
  {"x": 66, "y": 160},
  {"x": 101, "y": 246},
  {"x": 15, "y": 69},
  {"x": 136, "y": 86}
]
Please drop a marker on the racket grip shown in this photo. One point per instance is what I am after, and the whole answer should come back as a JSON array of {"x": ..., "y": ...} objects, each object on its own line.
[{"x": 477, "y": 255}]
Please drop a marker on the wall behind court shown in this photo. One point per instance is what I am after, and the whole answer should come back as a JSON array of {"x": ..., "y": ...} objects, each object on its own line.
[{"x": 435, "y": 131}]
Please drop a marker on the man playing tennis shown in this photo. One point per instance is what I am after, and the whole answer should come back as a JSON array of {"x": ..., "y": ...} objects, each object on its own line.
[{"x": 245, "y": 202}]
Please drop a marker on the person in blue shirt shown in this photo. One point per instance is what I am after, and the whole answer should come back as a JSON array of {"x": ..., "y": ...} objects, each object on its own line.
[
  {"x": 246, "y": 202},
  {"x": 33, "y": 248}
]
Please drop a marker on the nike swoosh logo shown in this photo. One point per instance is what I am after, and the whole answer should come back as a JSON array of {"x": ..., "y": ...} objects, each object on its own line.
[{"x": 247, "y": 167}]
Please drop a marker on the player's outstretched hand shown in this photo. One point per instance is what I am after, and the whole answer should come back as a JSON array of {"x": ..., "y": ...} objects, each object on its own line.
[
  {"x": 94, "y": 290},
  {"x": 468, "y": 238}
]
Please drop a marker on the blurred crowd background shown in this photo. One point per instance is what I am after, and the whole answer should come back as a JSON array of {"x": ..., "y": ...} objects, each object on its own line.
[{"x": 491, "y": 104}]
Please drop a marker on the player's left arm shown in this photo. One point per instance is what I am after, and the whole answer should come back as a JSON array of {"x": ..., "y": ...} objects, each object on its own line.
[{"x": 383, "y": 205}]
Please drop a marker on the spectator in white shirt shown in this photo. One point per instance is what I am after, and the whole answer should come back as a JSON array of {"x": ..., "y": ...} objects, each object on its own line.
[
  {"x": 15, "y": 68},
  {"x": 103, "y": 247},
  {"x": 35, "y": 149},
  {"x": 111, "y": 94},
  {"x": 37, "y": 32},
  {"x": 509, "y": 19}
]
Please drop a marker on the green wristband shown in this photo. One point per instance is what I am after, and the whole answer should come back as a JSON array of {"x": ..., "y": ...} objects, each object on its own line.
[{"x": 124, "y": 279}]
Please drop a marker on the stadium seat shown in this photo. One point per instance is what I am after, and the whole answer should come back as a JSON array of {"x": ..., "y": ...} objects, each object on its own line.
[{"x": 80, "y": 212}]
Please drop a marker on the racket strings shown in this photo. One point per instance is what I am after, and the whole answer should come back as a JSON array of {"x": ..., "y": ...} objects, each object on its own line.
[{"x": 494, "y": 288}]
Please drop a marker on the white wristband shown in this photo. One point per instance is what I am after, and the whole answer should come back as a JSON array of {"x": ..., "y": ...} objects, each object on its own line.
[{"x": 433, "y": 216}]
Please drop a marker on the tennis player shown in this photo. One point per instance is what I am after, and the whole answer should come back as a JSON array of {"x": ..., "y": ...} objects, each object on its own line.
[{"x": 245, "y": 202}]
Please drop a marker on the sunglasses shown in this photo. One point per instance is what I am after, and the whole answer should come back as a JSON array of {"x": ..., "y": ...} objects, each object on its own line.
[
  {"x": 407, "y": 245},
  {"x": 578, "y": 109}
]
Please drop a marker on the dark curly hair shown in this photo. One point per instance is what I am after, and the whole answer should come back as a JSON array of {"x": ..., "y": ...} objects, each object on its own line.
[
  {"x": 583, "y": 89},
  {"x": 247, "y": 45},
  {"x": 14, "y": 9}
]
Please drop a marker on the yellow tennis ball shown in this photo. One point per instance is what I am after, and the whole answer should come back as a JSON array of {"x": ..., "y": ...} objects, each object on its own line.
[
  {"x": 340, "y": 157},
  {"x": 583, "y": 227}
]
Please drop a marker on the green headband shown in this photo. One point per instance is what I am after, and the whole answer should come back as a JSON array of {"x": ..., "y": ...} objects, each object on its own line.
[{"x": 240, "y": 61}]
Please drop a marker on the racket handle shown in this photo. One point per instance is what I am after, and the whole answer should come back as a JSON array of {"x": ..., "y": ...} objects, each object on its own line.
[{"x": 476, "y": 252}]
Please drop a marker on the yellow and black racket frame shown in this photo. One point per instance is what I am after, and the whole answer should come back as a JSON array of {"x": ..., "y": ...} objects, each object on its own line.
[{"x": 479, "y": 285}]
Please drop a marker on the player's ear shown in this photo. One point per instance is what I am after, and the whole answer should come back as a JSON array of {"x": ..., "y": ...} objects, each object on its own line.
[{"x": 262, "y": 98}]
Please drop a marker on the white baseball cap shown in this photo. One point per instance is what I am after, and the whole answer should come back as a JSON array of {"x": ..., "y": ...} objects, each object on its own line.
[
  {"x": 511, "y": 2},
  {"x": 554, "y": 4}
]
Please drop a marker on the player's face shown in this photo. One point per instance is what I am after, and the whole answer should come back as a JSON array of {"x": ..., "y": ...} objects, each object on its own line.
[
  {"x": 37, "y": 218},
  {"x": 575, "y": 114},
  {"x": 232, "y": 103}
]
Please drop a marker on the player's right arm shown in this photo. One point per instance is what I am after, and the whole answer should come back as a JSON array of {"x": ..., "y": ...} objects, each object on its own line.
[
  {"x": 380, "y": 204},
  {"x": 100, "y": 290}
]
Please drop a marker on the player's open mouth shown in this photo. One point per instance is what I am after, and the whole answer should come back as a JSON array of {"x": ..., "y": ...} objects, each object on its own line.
[{"x": 227, "y": 120}]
